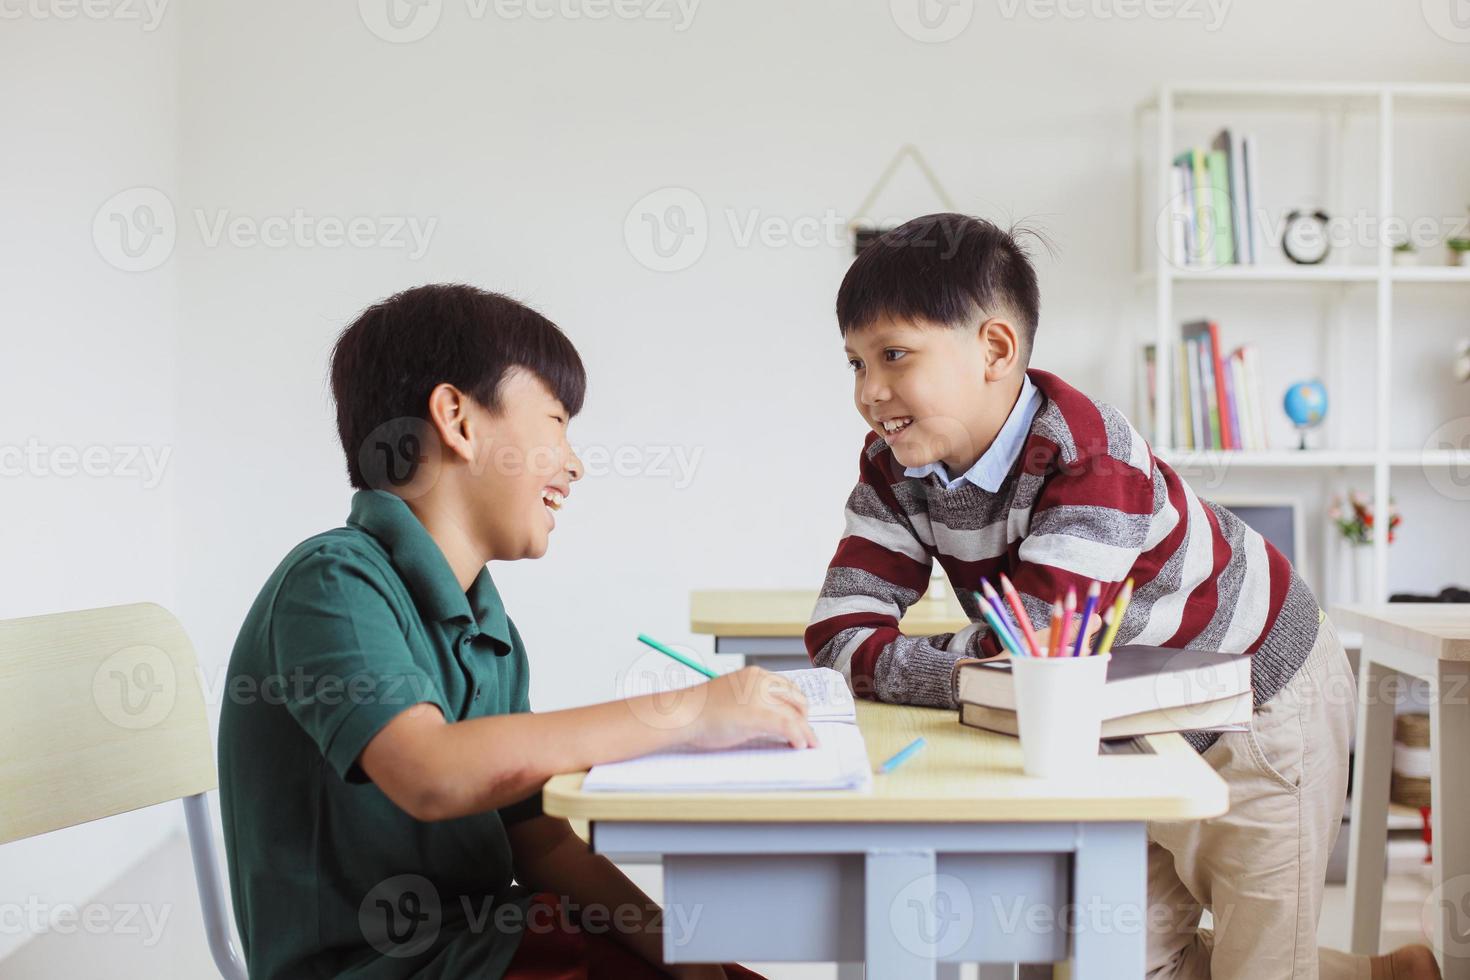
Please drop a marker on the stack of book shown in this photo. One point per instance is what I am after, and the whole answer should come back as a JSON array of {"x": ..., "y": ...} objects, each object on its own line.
[
  {"x": 1214, "y": 198},
  {"x": 1149, "y": 691},
  {"x": 1217, "y": 400}
]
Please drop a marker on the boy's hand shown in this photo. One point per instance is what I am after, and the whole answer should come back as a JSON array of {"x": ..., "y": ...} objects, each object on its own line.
[{"x": 749, "y": 703}]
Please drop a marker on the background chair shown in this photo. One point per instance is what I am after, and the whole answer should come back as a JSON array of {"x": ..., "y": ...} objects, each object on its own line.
[{"x": 112, "y": 714}]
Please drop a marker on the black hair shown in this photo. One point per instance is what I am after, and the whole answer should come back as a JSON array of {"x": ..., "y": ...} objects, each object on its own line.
[
  {"x": 389, "y": 359},
  {"x": 944, "y": 269}
]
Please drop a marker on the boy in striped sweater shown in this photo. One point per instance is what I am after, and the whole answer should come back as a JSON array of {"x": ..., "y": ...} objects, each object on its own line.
[{"x": 987, "y": 467}]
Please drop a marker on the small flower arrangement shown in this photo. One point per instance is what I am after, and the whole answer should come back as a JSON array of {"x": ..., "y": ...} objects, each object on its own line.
[{"x": 1356, "y": 523}]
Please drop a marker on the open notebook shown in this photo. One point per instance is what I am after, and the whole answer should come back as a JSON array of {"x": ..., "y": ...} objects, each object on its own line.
[{"x": 840, "y": 761}]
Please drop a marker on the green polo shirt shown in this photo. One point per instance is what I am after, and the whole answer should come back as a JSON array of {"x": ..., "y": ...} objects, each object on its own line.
[{"x": 329, "y": 877}]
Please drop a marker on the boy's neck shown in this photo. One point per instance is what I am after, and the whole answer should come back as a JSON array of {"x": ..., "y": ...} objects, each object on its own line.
[
  {"x": 450, "y": 533},
  {"x": 963, "y": 464}
]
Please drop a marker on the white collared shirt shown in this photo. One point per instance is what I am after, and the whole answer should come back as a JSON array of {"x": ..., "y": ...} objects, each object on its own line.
[{"x": 995, "y": 463}]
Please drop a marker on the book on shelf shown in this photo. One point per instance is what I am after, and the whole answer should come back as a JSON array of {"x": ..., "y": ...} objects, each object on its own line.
[
  {"x": 1217, "y": 398},
  {"x": 1214, "y": 194},
  {"x": 1140, "y": 679}
]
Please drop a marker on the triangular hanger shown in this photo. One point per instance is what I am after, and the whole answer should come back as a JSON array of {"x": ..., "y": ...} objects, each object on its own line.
[{"x": 911, "y": 152}]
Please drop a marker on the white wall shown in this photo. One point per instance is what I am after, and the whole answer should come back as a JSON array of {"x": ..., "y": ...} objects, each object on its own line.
[
  {"x": 527, "y": 142},
  {"x": 87, "y": 370}
]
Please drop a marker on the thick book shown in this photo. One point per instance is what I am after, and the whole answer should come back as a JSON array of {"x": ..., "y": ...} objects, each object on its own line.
[
  {"x": 1222, "y": 715},
  {"x": 1140, "y": 678}
]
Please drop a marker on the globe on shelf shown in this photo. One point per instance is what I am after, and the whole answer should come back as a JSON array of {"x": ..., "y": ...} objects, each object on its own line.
[{"x": 1306, "y": 406}]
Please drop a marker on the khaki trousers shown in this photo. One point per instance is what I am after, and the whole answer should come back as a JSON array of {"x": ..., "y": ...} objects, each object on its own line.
[{"x": 1260, "y": 868}]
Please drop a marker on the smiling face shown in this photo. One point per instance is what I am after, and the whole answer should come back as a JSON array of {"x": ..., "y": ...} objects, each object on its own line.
[
  {"x": 935, "y": 393},
  {"x": 519, "y": 468}
]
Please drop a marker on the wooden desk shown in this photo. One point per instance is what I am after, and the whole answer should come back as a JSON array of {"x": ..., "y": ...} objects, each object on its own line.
[
  {"x": 1430, "y": 641},
  {"x": 956, "y": 857},
  {"x": 766, "y": 625}
]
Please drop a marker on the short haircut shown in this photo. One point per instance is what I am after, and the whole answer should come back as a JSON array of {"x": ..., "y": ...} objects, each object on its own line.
[
  {"x": 397, "y": 351},
  {"x": 946, "y": 269}
]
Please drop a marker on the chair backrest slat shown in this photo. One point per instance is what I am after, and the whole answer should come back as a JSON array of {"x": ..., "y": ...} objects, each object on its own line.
[{"x": 100, "y": 712}]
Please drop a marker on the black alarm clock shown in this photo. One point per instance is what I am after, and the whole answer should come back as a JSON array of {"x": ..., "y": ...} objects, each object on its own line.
[{"x": 1305, "y": 239}]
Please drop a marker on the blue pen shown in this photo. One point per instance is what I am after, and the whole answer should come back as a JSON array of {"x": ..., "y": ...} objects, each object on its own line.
[{"x": 902, "y": 756}]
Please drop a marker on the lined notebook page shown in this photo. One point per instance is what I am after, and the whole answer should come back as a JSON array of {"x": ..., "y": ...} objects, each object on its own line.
[{"x": 839, "y": 762}]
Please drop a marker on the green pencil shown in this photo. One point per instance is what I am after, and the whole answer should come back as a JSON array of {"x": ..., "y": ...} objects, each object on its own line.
[{"x": 666, "y": 651}]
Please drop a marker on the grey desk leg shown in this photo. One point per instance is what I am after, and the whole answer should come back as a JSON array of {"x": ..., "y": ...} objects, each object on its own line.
[
  {"x": 1368, "y": 825},
  {"x": 1449, "y": 790},
  {"x": 1110, "y": 896},
  {"x": 903, "y": 917},
  {"x": 947, "y": 971},
  {"x": 849, "y": 971}
]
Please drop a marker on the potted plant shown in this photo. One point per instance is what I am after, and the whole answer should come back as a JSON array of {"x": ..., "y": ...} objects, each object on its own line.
[
  {"x": 1457, "y": 248},
  {"x": 1404, "y": 253},
  {"x": 1354, "y": 524}
]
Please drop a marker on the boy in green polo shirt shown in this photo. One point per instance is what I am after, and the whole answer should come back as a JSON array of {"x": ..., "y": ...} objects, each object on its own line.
[{"x": 380, "y": 767}]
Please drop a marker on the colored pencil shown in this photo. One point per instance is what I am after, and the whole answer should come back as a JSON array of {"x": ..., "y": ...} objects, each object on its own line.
[
  {"x": 701, "y": 668},
  {"x": 1001, "y": 633},
  {"x": 1120, "y": 604},
  {"x": 902, "y": 755},
  {"x": 1069, "y": 612},
  {"x": 1004, "y": 615},
  {"x": 1054, "y": 633},
  {"x": 1093, "y": 591},
  {"x": 1014, "y": 598}
]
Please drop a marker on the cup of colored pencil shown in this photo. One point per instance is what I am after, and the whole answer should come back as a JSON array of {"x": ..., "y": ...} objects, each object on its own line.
[{"x": 1058, "y": 682}]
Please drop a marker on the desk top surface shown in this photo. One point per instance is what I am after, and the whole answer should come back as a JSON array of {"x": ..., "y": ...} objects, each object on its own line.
[
  {"x": 788, "y": 612},
  {"x": 1435, "y": 629},
  {"x": 962, "y": 774}
]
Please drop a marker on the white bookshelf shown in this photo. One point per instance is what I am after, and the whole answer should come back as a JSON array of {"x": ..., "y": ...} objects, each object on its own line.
[{"x": 1357, "y": 282}]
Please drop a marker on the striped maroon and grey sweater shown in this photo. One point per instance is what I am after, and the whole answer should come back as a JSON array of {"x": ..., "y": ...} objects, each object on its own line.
[{"x": 1086, "y": 500}]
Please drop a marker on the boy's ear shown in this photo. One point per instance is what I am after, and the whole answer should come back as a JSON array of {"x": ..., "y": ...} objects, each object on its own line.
[
  {"x": 1002, "y": 347},
  {"x": 449, "y": 415}
]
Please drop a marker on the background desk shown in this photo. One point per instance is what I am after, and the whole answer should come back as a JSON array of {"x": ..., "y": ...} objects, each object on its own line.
[
  {"x": 1430, "y": 641},
  {"x": 766, "y": 625},
  {"x": 955, "y": 857}
]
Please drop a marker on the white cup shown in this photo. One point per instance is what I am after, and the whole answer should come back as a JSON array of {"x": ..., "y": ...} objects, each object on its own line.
[{"x": 1059, "y": 711}]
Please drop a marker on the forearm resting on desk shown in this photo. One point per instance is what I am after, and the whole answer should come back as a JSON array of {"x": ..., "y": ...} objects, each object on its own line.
[{"x": 437, "y": 770}]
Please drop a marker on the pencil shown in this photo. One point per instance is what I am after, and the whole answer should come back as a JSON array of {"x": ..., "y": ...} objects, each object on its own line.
[
  {"x": 902, "y": 755},
  {"x": 1054, "y": 635},
  {"x": 1014, "y": 598},
  {"x": 1003, "y": 635},
  {"x": 1117, "y": 613},
  {"x": 1002, "y": 614},
  {"x": 701, "y": 668},
  {"x": 1069, "y": 611},
  {"x": 1093, "y": 591}
]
